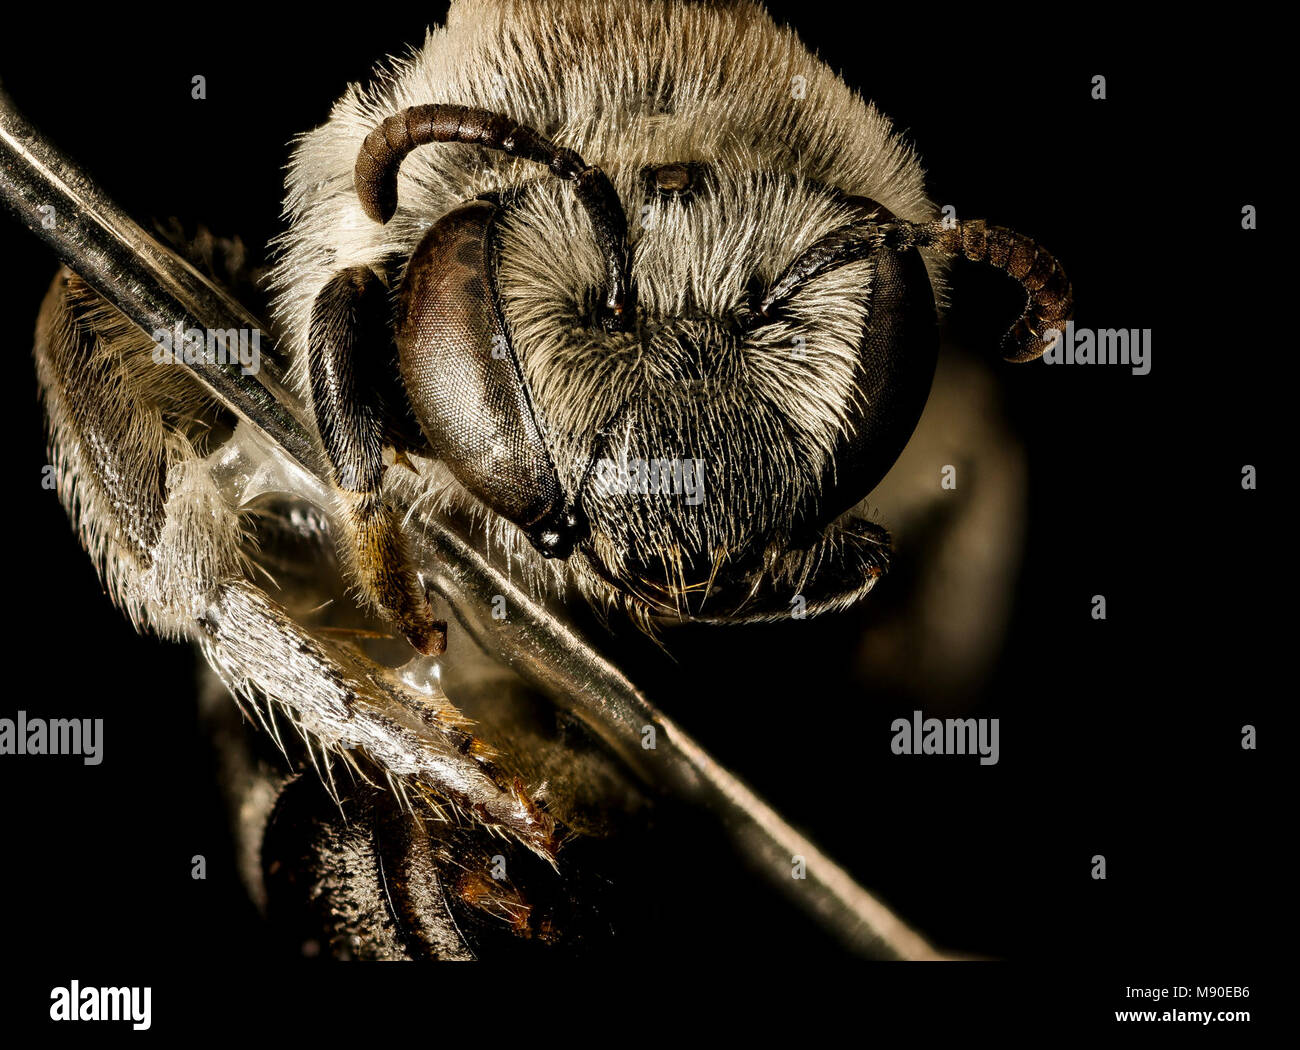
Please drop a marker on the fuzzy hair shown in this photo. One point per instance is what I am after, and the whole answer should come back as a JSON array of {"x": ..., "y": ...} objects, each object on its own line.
[
  {"x": 149, "y": 534},
  {"x": 175, "y": 554},
  {"x": 631, "y": 86}
]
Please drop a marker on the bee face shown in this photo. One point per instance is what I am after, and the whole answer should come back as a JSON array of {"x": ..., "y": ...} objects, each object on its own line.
[
  {"x": 708, "y": 440},
  {"x": 667, "y": 347}
]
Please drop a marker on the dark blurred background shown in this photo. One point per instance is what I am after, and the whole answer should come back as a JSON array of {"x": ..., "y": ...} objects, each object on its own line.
[{"x": 1119, "y": 737}]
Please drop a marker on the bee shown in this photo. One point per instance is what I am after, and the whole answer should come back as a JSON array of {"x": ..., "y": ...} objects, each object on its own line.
[{"x": 641, "y": 297}]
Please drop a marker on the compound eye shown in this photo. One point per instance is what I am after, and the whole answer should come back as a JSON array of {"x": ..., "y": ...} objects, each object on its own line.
[
  {"x": 897, "y": 354},
  {"x": 466, "y": 385},
  {"x": 897, "y": 358}
]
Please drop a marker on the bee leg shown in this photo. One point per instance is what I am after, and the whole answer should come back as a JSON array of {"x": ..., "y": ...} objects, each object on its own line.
[
  {"x": 356, "y": 395},
  {"x": 125, "y": 440},
  {"x": 122, "y": 436},
  {"x": 129, "y": 440}
]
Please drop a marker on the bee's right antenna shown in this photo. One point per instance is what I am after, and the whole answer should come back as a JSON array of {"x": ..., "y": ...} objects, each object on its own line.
[
  {"x": 384, "y": 149},
  {"x": 1050, "y": 298}
]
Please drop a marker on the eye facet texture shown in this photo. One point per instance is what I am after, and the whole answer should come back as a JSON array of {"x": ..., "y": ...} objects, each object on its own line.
[{"x": 465, "y": 383}]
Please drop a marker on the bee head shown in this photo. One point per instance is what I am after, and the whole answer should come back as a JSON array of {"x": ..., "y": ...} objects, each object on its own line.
[{"x": 684, "y": 407}]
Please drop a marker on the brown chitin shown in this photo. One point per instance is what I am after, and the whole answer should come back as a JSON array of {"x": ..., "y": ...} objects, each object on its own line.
[
  {"x": 384, "y": 149},
  {"x": 1050, "y": 298},
  {"x": 447, "y": 317},
  {"x": 383, "y": 561},
  {"x": 349, "y": 325},
  {"x": 498, "y": 899}
]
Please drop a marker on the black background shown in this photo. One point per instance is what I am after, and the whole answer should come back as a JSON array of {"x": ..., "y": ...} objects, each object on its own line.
[{"x": 1120, "y": 737}]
